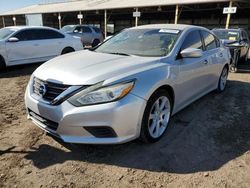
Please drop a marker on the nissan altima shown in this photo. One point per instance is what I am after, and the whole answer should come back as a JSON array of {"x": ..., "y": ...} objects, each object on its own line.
[{"x": 127, "y": 87}]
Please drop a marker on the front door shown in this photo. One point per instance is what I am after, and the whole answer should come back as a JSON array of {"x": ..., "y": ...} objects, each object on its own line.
[
  {"x": 25, "y": 50},
  {"x": 192, "y": 71}
]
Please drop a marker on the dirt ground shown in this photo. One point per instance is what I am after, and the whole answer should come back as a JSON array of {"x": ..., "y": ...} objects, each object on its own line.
[{"x": 207, "y": 145}]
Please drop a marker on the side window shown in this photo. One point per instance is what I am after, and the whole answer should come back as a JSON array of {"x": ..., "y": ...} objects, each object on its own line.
[
  {"x": 192, "y": 40},
  {"x": 49, "y": 34},
  {"x": 86, "y": 29},
  {"x": 209, "y": 40},
  {"x": 26, "y": 35}
]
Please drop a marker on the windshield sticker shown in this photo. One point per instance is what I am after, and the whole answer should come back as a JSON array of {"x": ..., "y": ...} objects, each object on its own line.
[
  {"x": 232, "y": 33},
  {"x": 172, "y": 31},
  {"x": 232, "y": 38}
]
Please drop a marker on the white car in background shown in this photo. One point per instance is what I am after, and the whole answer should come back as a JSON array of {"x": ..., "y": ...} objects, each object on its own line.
[{"x": 26, "y": 44}]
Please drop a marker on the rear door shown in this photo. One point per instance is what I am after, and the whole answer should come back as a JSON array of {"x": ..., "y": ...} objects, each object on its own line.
[
  {"x": 51, "y": 43},
  {"x": 192, "y": 77}
]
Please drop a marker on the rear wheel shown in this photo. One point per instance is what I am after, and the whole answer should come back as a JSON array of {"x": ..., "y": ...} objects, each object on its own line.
[
  {"x": 156, "y": 117},
  {"x": 67, "y": 50},
  {"x": 95, "y": 42},
  {"x": 246, "y": 57},
  {"x": 234, "y": 65},
  {"x": 223, "y": 80}
]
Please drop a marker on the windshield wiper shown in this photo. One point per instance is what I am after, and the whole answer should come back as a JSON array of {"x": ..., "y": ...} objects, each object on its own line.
[{"x": 118, "y": 53}]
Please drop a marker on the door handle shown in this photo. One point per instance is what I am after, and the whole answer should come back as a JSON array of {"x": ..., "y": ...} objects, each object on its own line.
[
  {"x": 36, "y": 45},
  {"x": 205, "y": 62}
]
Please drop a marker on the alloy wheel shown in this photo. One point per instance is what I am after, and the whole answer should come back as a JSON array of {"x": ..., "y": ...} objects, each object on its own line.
[
  {"x": 159, "y": 117},
  {"x": 223, "y": 79}
]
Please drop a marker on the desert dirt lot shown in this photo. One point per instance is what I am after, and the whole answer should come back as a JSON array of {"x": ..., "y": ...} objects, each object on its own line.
[{"x": 207, "y": 145}]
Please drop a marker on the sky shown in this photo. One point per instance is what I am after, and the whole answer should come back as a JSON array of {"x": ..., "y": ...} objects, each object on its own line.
[{"x": 6, "y": 5}]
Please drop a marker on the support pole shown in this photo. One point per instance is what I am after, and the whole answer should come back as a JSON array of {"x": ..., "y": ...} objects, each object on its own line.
[
  {"x": 105, "y": 23},
  {"x": 59, "y": 20},
  {"x": 80, "y": 20},
  {"x": 14, "y": 20},
  {"x": 176, "y": 14},
  {"x": 136, "y": 18},
  {"x": 3, "y": 21},
  {"x": 229, "y": 15}
]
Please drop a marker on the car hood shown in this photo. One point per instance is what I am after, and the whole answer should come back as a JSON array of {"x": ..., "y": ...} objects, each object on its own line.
[{"x": 87, "y": 67}]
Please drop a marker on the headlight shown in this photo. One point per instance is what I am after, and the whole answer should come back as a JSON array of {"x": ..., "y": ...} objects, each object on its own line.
[{"x": 98, "y": 94}]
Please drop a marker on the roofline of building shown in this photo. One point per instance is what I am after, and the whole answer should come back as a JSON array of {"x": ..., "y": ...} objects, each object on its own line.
[{"x": 24, "y": 10}]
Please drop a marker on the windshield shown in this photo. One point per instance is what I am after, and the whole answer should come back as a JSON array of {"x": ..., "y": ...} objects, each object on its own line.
[
  {"x": 68, "y": 28},
  {"x": 141, "y": 42},
  {"x": 5, "y": 32},
  {"x": 231, "y": 35}
]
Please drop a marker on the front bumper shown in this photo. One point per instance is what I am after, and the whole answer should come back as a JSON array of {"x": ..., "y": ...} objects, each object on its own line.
[{"x": 123, "y": 117}]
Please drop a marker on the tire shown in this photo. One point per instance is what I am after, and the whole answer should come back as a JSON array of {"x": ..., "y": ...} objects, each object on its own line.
[
  {"x": 2, "y": 64},
  {"x": 95, "y": 43},
  {"x": 223, "y": 80},
  {"x": 246, "y": 57},
  {"x": 155, "y": 122},
  {"x": 233, "y": 66},
  {"x": 67, "y": 50}
]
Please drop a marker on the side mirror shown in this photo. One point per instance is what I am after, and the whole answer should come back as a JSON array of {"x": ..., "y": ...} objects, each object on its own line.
[
  {"x": 13, "y": 39},
  {"x": 191, "y": 53},
  {"x": 76, "y": 31}
]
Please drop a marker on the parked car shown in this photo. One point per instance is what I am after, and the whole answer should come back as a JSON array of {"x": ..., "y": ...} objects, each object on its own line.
[
  {"x": 127, "y": 87},
  {"x": 238, "y": 42},
  {"x": 90, "y": 35},
  {"x": 24, "y": 44}
]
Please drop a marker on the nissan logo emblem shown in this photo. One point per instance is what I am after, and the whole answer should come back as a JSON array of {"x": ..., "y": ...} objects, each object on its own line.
[{"x": 42, "y": 89}]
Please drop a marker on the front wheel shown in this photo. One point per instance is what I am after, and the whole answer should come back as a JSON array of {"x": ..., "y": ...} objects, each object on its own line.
[
  {"x": 223, "y": 80},
  {"x": 67, "y": 50},
  {"x": 156, "y": 117},
  {"x": 95, "y": 43},
  {"x": 2, "y": 64}
]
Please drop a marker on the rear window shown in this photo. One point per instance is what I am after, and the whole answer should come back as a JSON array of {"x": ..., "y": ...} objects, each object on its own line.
[
  {"x": 68, "y": 28},
  {"x": 97, "y": 30}
]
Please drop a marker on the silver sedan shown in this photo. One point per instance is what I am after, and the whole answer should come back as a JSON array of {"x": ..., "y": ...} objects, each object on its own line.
[{"x": 129, "y": 86}]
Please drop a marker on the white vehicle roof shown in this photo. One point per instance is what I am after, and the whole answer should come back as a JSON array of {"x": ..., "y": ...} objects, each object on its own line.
[{"x": 28, "y": 27}]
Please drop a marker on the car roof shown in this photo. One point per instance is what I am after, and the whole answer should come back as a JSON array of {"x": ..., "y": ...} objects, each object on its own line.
[
  {"x": 28, "y": 27},
  {"x": 167, "y": 26}
]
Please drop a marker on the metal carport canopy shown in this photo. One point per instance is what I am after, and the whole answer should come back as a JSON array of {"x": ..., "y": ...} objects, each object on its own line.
[{"x": 87, "y": 5}]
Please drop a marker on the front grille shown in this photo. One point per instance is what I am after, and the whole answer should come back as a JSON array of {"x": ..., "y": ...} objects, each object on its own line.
[
  {"x": 101, "y": 132},
  {"x": 49, "y": 124},
  {"x": 48, "y": 90}
]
